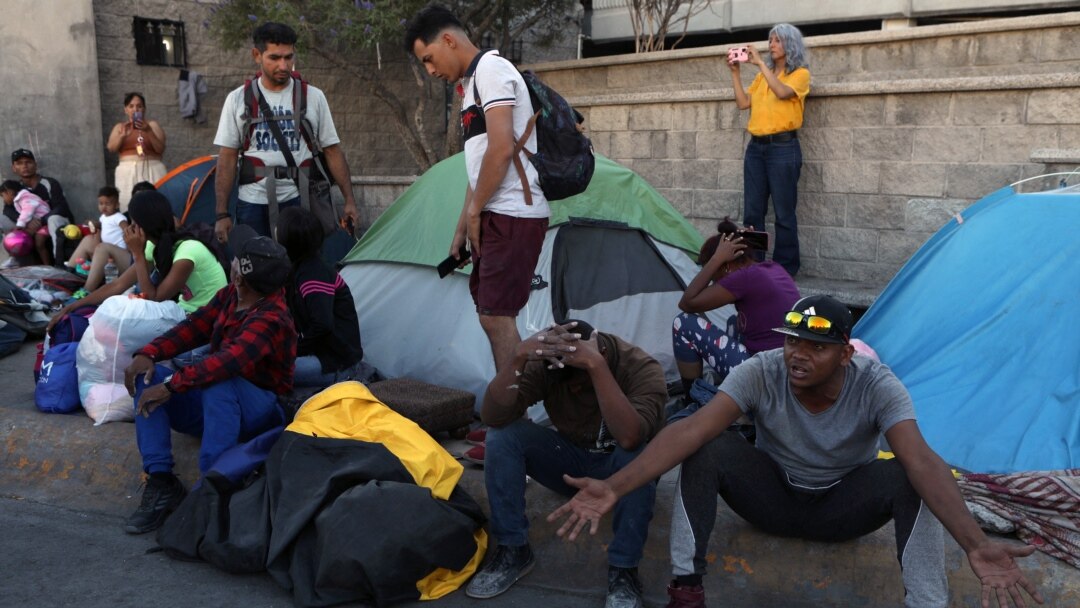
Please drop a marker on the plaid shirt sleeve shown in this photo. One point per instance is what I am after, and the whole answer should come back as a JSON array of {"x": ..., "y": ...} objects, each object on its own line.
[
  {"x": 192, "y": 332},
  {"x": 259, "y": 337}
]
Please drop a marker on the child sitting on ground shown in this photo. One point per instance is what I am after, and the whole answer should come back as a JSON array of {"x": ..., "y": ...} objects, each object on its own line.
[
  {"x": 106, "y": 239},
  {"x": 32, "y": 211}
]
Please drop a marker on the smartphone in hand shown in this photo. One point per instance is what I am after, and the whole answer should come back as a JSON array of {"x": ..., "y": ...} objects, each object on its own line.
[
  {"x": 755, "y": 240},
  {"x": 448, "y": 265}
]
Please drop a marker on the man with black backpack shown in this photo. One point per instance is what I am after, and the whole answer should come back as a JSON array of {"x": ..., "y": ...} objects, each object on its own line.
[
  {"x": 276, "y": 132},
  {"x": 505, "y": 213}
]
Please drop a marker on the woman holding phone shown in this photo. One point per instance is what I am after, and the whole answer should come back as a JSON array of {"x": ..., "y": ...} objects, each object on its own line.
[
  {"x": 773, "y": 157},
  {"x": 140, "y": 144}
]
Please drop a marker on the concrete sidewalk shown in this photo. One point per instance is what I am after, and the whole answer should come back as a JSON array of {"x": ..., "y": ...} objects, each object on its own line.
[{"x": 65, "y": 461}]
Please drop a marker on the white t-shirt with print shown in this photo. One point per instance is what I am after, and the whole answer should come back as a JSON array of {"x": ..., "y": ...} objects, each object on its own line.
[
  {"x": 500, "y": 84},
  {"x": 263, "y": 144}
]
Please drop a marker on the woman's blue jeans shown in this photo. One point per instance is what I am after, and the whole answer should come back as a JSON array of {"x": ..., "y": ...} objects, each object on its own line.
[
  {"x": 522, "y": 448},
  {"x": 772, "y": 170}
]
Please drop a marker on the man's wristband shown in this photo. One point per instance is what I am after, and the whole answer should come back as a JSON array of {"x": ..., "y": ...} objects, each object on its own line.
[
  {"x": 167, "y": 383},
  {"x": 223, "y": 216}
]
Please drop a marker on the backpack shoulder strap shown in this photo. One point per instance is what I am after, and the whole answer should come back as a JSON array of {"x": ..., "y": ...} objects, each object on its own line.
[
  {"x": 251, "y": 112},
  {"x": 307, "y": 131},
  {"x": 519, "y": 145}
]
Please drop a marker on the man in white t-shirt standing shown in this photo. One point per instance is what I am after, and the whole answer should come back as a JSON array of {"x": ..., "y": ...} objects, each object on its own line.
[
  {"x": 503, "y": 223},
  {"x": 274, "y": 52}
]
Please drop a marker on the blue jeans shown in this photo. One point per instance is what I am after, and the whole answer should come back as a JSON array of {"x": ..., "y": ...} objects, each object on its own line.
[
  {"x": 258, "y": 215},
  {"x": 308, "y": 373},
  {"x": 522, "y": 448},
  {"x": 772, "y": 169},
  {"x": 223, "y": 414}
]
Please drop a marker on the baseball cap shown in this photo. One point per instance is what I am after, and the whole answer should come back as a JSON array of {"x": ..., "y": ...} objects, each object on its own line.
[
  {"x": 819, "y": 319},
  {"x": 22, "y": 153},
  {"x": 264, "y": 264}
]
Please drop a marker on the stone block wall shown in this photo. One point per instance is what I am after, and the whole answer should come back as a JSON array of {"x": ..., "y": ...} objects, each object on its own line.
[
  {"x": 369, "y": 138},
  {"x": 370, "y": 142},
  {"x": 902, "y": 129}
]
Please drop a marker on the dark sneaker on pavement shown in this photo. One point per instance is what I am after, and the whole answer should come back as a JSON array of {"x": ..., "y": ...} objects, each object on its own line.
[
  {"x": 161, "y": 496},
  {"x": 685, "y": 597},
  {"x": 506, "y": 566},
  {"x": 623, "y": 588}
]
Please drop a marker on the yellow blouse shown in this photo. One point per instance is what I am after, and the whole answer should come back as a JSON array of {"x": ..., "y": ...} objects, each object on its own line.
[{"x": 768, "y": 113}]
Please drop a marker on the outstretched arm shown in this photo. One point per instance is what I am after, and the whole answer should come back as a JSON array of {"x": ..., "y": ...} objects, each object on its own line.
[
  {"x": 671, "y": 446},
  {"x": 992, "y": 562}
]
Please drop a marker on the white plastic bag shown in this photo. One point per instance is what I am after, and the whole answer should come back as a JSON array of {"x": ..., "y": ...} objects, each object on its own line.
[{"x": 119, "y": 327}]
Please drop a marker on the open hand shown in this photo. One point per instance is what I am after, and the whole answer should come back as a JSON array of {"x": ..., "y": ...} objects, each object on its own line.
[
  {"x": 730, "y": 248},
  {"x": 993, "y": 563},
  {"x": 593, "y": 500}
]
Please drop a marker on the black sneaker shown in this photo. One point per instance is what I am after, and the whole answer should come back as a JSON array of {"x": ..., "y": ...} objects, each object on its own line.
[
  {"x": 506, "y": 566},
  {"x": 161, "y": 496},
  {"x": 623, "y": 588}
]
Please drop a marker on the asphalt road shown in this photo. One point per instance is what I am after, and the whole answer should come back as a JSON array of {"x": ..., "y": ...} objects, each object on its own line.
[{"x": 52, "y": 557}]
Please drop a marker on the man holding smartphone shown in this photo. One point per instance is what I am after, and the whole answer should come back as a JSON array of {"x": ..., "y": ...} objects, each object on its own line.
[{"x": 502, "y": 224}]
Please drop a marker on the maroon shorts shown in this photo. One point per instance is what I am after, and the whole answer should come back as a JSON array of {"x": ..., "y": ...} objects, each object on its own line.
[{"x": 509, "y": 248}]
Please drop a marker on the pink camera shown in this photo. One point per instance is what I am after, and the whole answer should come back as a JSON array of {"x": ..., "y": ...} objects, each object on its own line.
[{"x": 737, "y": 55}]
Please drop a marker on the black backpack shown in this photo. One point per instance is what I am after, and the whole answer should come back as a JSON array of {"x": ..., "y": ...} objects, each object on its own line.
[{"x": 564, "y": 156}]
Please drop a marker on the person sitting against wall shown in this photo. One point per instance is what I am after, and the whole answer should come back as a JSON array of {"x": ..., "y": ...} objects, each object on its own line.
[
  {"x": 140, "y": 144},
  {"x": 773, "y": 157},
  {"x": 48, "y": 189},
  {"x": 321, "y": 304},
  {"x": 730, "y": 274},
  {"x": 167, "y": 264},
  {"x": 29, "y": 211}
]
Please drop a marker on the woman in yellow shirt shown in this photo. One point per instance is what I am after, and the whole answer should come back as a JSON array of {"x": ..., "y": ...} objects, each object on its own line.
[{"x": 773, "y": 157}]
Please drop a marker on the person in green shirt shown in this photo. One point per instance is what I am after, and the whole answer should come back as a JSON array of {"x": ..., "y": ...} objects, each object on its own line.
[{"x": 187, "y": 268}]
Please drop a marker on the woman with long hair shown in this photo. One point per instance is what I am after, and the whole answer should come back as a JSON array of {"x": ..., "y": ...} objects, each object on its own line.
[
  {"x": 773, "y": 159},
  {"x": 140, "y": 143},
  {"x": 322, "y": 307},
  {"x": 167, "y": 264}
]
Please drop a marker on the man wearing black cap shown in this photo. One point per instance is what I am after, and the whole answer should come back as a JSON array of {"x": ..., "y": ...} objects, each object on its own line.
[
  {"x": 606, "y": 398},
  {"x": 819, "y": 412},
  {"x": 230, "y": 395},
  {"x": 24, "y": 165}
]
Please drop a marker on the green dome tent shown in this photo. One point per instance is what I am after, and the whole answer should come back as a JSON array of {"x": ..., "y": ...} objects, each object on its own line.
[{"x": 618, "y": 256}]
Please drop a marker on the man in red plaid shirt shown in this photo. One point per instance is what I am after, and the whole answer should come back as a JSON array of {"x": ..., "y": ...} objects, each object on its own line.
[{"x": 230, "y": 395}]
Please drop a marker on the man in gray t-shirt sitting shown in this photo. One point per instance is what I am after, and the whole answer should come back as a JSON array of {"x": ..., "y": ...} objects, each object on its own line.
[{"x": 819, "y": 412}]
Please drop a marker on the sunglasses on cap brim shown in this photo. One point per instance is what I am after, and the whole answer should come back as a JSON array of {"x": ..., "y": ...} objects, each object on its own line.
[{"x": 813, "y": 323}]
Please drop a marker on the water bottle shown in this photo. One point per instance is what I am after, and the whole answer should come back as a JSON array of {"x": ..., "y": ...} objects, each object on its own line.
[{"x": 110, "y": 271}]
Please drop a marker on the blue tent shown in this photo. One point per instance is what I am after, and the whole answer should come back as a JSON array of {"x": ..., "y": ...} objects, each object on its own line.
[{"x": 983, "y": 327}]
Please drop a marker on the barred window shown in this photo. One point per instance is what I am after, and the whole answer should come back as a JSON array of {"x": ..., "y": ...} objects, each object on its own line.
[{"x": 159, "y": 42}]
